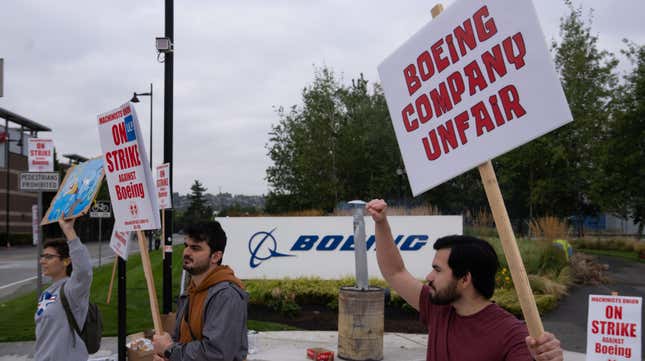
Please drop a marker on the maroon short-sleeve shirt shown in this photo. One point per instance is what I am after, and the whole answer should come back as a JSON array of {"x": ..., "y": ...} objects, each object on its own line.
[{"x": 491, "y": 334}]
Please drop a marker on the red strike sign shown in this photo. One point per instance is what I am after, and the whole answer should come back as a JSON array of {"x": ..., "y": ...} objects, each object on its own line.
[
  {"x": 614, "y": 328},
  {"x": 128, "y": 175},
  {"x": 41, "y": 155},
  {"x": 473, "y": 83}
]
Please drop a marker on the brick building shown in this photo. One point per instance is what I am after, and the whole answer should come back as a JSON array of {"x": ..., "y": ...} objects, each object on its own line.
[{"x": 15, "y": 205}]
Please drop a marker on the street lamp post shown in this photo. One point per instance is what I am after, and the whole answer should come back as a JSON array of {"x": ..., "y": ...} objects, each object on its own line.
[
  {"x": 136, "y": 100},
  {"x": 7, "y": 140},
  {"x": 400, "y": 172}
]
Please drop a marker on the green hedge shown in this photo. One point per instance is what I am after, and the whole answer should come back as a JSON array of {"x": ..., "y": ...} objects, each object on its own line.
[{"x": 286, "y": 296}]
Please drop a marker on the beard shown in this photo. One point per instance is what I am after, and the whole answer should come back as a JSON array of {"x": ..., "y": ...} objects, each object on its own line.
[
  {"x": 196, "y": 268},
  {"x": 444, "y": 296}
]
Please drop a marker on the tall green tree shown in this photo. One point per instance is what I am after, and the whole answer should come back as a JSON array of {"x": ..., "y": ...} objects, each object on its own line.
[
  {"x": 556, "y": 174},
  {"x": 589, "y": 80},
  {"x": 339, "y": 145},
  {"x": 198, "y": 210},
  {"x": 621, "y": 188}
]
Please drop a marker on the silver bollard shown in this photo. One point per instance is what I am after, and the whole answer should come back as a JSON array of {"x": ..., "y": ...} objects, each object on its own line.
[{"x": 360, "y": 246}]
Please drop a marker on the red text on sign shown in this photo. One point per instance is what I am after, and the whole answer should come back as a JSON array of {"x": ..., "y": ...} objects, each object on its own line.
[
  {"x": 123, "y": 158},
  {"x": 434, "y": 61}
]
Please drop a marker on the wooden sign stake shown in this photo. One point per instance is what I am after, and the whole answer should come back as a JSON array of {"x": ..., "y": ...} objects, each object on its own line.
[
  {"x": 511, "y": 251},
  {"x": 109, "y": 295},
  {"x": 152, "y": 292}
]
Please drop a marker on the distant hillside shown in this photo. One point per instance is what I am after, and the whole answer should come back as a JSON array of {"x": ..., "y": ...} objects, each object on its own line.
[{"x": 220, "y": 201}]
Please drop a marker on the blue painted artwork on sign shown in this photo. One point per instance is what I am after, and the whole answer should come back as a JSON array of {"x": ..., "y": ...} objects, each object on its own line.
[{"x": 77, "y": 192}]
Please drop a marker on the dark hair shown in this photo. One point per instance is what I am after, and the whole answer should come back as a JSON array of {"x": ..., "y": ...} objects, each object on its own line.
[
  {"x": 210, "y": 232},
  {"x": 63, "y": 250},
  {"x": 474, "y": 255}
]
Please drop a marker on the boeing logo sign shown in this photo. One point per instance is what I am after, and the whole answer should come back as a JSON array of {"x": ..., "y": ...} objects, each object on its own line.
[
  {"x": 277, "y": 247},
  {"x": 263, "y": 245}
]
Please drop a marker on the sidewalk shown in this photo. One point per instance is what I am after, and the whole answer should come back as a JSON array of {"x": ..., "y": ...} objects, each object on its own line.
[{"x": 276, "y": 346}]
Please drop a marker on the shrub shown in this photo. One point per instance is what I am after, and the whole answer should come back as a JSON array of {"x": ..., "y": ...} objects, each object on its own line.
[
  {"x": 503, "y": 279},
  {"x": 507, "y": 299},
  {"x": 545, "y": 286},
  {"x": 548, "y": 228},
  {"x": 552, "y": 260},
  {"x": 618, "y": 244}
]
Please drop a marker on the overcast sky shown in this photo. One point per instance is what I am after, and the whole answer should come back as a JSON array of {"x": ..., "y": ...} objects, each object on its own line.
[{"x": 235, "y": 61}]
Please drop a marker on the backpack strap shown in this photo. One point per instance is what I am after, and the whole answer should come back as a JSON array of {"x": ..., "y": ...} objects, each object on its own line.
[{"x": 70, "y": 318}]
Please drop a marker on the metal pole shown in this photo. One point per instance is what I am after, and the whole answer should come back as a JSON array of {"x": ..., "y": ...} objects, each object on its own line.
[
  {"x": 150, "y": 233},
  {"x": 122, "y": 351},
  {"x": 39, "y": 278},
  {"x": 150, "y": 126},
  {"x": 168, "y": 129},
  {"x": 100, "y": 219},
  {"x": 360, "y": 247},
  {"x": 6, "y": 153}
]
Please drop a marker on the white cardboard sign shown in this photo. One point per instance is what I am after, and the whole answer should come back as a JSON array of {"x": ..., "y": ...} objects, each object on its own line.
[
  {"x": 614, "y": 328},
  {"x": 278, "y": 247},
  {"x": 41, "y": 155},
  {"x": 163, "y": 186},
  {"x": 132, "y": 190},
  {"x": 472, "y": 84},
  {"x": 119, "y": 242}
]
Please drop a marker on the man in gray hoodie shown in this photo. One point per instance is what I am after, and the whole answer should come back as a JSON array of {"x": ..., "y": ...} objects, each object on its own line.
[
  {"x": 211, "y": 315},
  {"x": 55, "y": 339}
]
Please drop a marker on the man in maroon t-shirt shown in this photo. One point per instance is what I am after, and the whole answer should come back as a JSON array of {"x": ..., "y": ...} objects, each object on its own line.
[{"x": 463, "y": 324}]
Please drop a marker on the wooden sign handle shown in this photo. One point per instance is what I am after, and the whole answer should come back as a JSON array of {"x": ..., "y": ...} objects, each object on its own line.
[
  {"x": 511, "y": 251},
  {"x": 150, "y": 281},
  {"x": 109, "y": 295}
]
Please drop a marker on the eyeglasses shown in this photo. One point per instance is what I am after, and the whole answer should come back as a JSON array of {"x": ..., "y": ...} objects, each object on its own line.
[{"x": 49, "y": 256}]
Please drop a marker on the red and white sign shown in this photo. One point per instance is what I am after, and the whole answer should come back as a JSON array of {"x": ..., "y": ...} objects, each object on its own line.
[
  {"x": 132, "y": 191},
  {"x": 474, "y": 83},
  {"x": 163, "y": 186},
  {"x": 614, "y": 328},
  {"x": 119, "y": 243},
  {"x": 41, "y": 155}
]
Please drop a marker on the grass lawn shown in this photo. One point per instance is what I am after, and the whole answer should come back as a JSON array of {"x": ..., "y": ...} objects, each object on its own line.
[
  {"x": 632, "y": 256},
  {"x": 18, "y": 314}
]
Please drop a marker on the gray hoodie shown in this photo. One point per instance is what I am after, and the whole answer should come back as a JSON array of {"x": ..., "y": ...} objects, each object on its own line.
[{"x": 55, "y": 339}]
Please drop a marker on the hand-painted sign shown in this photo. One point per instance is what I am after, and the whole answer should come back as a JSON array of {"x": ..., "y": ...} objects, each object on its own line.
[
  {"x": 474, "y": 83},
  {"x": 77, "y": 192},
  {"x": 127, "y": 170}
]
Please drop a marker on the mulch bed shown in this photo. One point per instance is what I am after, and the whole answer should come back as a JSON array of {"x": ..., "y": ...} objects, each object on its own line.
[{"x": 312, "y": 317}]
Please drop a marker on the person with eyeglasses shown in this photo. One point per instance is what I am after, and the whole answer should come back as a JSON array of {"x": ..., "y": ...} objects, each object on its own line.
[{"x": 65, "y": 262}]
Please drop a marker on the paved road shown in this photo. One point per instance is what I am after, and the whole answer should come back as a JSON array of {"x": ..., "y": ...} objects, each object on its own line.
[
  {"x": 18, "y": 266},
  {"x": 569, "y": 320}
]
